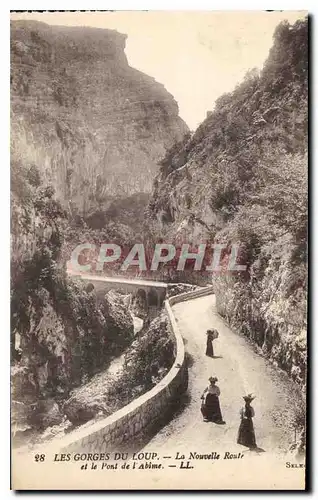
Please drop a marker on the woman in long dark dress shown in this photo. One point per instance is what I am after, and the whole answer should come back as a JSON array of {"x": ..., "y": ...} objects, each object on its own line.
[
  {"x": 211, "y": 335},
  {"x": 210, "y": 408},
  {"x": 246, "y": 434}
]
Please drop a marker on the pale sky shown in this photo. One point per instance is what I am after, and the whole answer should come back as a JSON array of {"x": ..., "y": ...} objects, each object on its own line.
[{"x": 197, "y": 55}]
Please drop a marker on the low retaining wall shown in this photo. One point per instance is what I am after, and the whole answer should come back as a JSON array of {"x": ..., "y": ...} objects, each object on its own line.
[
  {"x": 195, "y": 294},
  {"x": 146, "y": 414}
]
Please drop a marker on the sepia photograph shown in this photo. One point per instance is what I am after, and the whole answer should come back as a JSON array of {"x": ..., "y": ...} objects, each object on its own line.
[{"x": 159, "y": 248}]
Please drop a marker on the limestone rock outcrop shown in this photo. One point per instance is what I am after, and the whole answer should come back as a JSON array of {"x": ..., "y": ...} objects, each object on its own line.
[{"x": 98, "y": 125}]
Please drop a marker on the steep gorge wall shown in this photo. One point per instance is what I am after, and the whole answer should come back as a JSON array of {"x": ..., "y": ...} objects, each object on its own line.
[
  {"x": 83, "y": 116},
  {"x": 242, "y": 178}
]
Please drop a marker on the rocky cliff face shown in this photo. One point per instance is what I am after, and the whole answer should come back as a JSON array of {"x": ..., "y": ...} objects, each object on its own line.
[
  {"x": 242, "y": 178},
  {"x": 59, "y": 335},
  {"x": 87, "y": 131},
  {"x": 64, "y": 339},
  {"x": 94, "y": 126}
]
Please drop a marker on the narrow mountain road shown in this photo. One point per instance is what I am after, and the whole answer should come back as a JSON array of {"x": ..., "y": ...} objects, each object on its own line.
[{"x": 240, "y": 370}]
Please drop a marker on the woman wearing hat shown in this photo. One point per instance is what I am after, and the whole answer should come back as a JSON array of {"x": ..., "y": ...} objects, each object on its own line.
[
  {"x": 246, "y": 434},
  {"x": 210, "y": 408},
  {"x": 211, "y": 335}
]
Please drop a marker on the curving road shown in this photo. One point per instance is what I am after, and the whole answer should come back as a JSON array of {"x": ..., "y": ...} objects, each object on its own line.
[{"x": 240, "y": 370}]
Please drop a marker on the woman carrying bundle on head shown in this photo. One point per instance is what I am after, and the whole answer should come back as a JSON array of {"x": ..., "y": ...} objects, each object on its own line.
[
  {"x": 211, "y": 335},
  {"x": 210, "y": 407},
  {"x": 246, "y": 434}
]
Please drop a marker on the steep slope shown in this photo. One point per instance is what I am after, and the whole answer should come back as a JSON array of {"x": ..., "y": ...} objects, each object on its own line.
[
  {"x": 86, "y": 132},
  {"x": 91, "y": 124},
  {"x": 242, "y": 178},
  {"x": 59, "y": 335}
]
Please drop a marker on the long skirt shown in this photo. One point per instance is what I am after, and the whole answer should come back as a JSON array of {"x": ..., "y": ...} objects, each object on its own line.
[
  {"x": 211, "y": 409},
  {"x": 246, "y": 434},
  {"x": 209, "y": 348}
]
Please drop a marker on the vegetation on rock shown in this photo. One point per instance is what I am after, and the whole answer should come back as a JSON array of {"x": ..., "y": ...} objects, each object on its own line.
[
  {"x": 146, "y": 362},
  {"x": 242, "y": 178}
]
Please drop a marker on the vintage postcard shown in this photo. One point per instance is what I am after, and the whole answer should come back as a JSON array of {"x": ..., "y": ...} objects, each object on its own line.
[{"x": 159, "y": 250}]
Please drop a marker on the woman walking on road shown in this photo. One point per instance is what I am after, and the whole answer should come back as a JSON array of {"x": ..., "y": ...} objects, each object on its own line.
[
  {"x": 246, "y": 434},
  {"x": 210, "y": 408},
  {"x": 211, "y": 335}
]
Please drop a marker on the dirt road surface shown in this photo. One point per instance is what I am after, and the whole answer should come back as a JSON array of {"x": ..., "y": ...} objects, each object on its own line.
[{"x": 240, "y": 370}]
